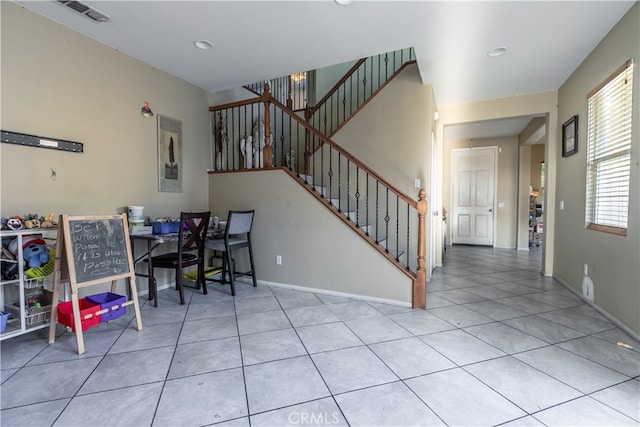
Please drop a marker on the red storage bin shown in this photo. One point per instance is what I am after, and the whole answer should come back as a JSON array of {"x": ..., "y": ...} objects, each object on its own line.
[{"x": 88, "y": 316}]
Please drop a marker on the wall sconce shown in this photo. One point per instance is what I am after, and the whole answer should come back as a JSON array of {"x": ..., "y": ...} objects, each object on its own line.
[{"x": 146, "y": 111}]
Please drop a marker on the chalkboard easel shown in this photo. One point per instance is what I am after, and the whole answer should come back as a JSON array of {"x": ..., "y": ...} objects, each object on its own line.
[{"x": 92, "y": 250}]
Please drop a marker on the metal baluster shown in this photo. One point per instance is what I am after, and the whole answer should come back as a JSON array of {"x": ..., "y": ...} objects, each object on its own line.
[
  {"x": 379, "y": 67},
  {"x": 339, "y": 182},
  {"x": 348, "y": 186},
  {"x": 351, "y": 94},
  {"x": 366, "y": 204},
  {"x": 344, "y": 102},
  {"x": 357, "y": 196},
  {"x": 397, "y": 228},
  {"x": 330, "y": 173},
  {"x": 364, "y": 81},
  {"x": 358, "y": 88},
  {"x": 386, "y": 66},
  {"x": 377, "y": 209},
  {"x": 325, "y": 118},
  {"x": 371, "y": 80},
  {"x": 408, "y": 236},
  {"x": 386, "y": 219}
]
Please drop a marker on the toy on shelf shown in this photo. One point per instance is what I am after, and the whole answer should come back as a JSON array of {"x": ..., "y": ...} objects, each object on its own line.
[
  {"x": 14, "y": 223},
  {"x": 29, "y": 222},
  {"x": 34, "y": 250}
]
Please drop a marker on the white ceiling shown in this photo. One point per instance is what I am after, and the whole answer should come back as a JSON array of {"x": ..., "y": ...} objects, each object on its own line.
[{"x": 258, "y": 40}]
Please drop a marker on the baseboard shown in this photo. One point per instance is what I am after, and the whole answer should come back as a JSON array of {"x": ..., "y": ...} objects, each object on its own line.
[
  {"x": 328, "y": 292},
  {"x": 600, "y": 310}
]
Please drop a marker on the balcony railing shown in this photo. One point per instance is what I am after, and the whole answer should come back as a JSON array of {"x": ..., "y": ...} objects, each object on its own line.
[{"x": 365, "y": 78}]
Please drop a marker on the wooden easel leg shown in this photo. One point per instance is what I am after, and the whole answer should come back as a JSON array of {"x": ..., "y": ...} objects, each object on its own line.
[
  {"x": 77, "y": 321},
  {"x": 54, "y": 310},
  {"x": 134, "y": 298}
]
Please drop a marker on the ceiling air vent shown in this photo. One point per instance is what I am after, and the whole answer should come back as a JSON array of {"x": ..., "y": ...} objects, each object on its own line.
[{"x": 84, "y": 10}]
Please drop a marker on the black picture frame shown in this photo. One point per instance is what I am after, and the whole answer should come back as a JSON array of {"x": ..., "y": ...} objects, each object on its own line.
[{"x": 570, "y": 137}]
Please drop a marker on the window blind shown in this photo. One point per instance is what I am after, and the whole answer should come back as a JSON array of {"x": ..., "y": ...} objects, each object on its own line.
[{"x": 609, "y": 152}]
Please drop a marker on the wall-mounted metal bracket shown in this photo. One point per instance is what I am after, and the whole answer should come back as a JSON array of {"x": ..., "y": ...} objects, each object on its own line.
[{"x": 41, "y": 142}]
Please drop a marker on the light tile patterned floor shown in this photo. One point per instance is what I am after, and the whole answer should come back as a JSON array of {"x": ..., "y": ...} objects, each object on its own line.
[{"x": 498, "y": 345}]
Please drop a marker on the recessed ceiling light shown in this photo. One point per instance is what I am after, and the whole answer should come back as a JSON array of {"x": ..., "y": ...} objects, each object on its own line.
[
  {"x": 344, "y": 2},
  {"x": 497, "y": 51},
  {"x": 203, "y": 44}
]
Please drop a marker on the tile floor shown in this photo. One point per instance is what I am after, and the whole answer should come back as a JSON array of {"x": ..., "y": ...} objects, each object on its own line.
[{"x": 498, "y": 345}]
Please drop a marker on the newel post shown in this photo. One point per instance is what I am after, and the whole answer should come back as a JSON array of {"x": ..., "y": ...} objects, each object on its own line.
[
  {"x": 267, "y": 154},
  {"x": 420, "y": 282}
]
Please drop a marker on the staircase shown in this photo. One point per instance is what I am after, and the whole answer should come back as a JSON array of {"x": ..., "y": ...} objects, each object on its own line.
[
  {"x": 390, "y": 221},
  {"x": 351, "y": 210}
]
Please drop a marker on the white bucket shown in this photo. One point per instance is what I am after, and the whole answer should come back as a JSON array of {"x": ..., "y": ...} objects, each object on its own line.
[{"x": 136, "y": 216}]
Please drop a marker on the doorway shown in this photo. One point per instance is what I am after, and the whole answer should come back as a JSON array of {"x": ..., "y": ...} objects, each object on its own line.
[{"x": 473, "y": 190}]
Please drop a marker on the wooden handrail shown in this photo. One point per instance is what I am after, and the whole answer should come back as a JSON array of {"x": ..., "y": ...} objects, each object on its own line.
[{"x": 237, "y": 103}]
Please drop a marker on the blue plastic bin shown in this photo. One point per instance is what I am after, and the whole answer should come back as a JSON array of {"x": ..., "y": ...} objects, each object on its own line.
[
  {"x": 3, "y": 320},
  {"x": 111, "y": 301}
]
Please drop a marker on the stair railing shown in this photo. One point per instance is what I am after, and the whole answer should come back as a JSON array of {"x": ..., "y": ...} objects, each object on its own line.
[
  {"x": 388, "y": 219},
  {"x": 363, "y": 80}
]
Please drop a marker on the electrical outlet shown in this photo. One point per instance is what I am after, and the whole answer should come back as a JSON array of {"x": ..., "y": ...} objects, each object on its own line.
[
  {"x": 278, "y": 260},
  {"x": 586, "y": 270}
]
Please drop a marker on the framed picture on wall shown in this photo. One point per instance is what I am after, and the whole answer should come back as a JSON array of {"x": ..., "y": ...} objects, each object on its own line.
[
  {"x": 570, "y": 136},
  {"x": 169, "y": 154}
]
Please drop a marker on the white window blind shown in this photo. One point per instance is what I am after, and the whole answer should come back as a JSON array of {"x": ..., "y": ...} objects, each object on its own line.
[{"x": 609, "y": 152}]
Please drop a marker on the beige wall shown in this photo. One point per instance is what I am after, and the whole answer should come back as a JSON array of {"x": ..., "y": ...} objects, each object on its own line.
[
  {"x": 392, "y": 134},
  {"x": 506, "y": 182},
  {"x": 613, "y": 261},
  {"x": 57, "y": 83},
  {"x": 318, "y": 250}
]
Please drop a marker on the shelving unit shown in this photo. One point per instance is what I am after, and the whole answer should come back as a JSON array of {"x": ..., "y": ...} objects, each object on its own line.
[
  {"x": 15, "y": 293},
  {"x": 535, "y": 221}
]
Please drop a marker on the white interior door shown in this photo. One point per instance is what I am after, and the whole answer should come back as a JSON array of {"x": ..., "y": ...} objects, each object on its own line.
[{"x": 473, "y": 181}]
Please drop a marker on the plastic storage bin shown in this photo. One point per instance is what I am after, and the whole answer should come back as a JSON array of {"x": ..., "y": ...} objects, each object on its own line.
[
  {"x": 88, "y": 316},
  {"x": 165, "y": 227},
  {"x": 110, "y": 301},
  {"x": 3, "y": 320}
]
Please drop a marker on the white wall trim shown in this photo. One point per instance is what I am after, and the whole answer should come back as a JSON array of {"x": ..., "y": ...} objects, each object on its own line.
[
  {"x": 597, "y": 308},
  {"x": 328, "y": 292}
]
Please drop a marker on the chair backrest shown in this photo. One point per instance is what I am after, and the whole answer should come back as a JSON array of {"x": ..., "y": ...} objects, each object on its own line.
[
  {"x": 239, "y": 222},
  {"x": 193, "y": 231}
]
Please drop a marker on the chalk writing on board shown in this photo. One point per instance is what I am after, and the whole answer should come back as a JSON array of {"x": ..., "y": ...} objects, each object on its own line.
[{"x": 99, "y": 248}]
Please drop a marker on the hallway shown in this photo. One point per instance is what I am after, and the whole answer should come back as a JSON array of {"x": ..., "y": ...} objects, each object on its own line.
[{"x": 497, "y": 345}]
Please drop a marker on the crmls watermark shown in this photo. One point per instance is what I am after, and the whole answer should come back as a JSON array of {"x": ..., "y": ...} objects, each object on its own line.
[{"x": 314, "y": 418}]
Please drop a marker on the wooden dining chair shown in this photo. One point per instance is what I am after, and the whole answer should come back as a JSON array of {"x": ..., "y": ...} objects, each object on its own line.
[
  {"x": 237, "y": 235},
  {"x": 191, "y": 251}
]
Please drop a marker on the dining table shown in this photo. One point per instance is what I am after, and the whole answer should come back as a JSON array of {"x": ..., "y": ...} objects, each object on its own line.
[{"x": 152, "y": 244}]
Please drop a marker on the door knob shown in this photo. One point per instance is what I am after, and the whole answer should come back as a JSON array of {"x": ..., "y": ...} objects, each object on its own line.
[{"x": 490, "y": 210}]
